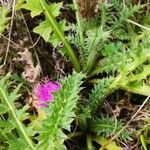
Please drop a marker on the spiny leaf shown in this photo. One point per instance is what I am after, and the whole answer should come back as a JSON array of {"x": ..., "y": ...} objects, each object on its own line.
[
  {"x": 61, "y": 111},
  {"x": 106, "y": 127},
  {"x": 11, "y": 118},
  {"x": 99, "y": 92},
  {"x": 141, "y": 75},
  {"x": 137, "y": 87}
]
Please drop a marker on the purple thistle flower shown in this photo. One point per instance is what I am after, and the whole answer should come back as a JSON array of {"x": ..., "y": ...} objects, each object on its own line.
[{"x": 44, "y": 92}]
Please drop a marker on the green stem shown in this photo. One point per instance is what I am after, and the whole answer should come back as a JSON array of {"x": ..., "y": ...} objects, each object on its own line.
[
  {"x": 142, "y": 90},
  {"x": 103, "y": 16},
  {"x": 139, "y": 25},
  {"x": 17, "y": 120},
  {"x": 91, "y": 58},
  {"x": 76, "y": 134},
  {"x": 91, "y": 61},
  {"x": 56, "y": 29},
  {"x": 78, "y": 18},
  {"x": 89, "y": 142}
]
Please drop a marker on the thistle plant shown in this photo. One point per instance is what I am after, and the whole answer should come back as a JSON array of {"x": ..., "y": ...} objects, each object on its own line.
[
  {"x": 14, "y": 133},
  {"x": 112, "y": 54},
  {"x": 44, "y": 92},
  {"x": 59, "y": 113}
]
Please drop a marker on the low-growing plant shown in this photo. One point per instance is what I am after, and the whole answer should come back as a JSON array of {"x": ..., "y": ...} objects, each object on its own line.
[
  {"x": 50, "y": 29},
  {"x": 46, "y": 133},
  {"x": 111, "y": 53}
]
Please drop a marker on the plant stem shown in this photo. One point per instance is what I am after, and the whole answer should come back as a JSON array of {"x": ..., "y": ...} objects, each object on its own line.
[
  {"x": 78, "y": 18},
  {"x": 56, "y": 29},
  {"x": 142, "y": 90},
  {"x": 20, "y": 126},
  {"x": 139, "y": 25},
  {"x": 91, "y": 58},
  {"x": 10, "y": 32},
  {"x": 76, "y": 134},
  {"x": 89, "y": 142}
]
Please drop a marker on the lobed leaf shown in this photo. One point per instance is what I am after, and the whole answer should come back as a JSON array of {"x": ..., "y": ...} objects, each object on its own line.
[
  {"x": 107, "y": 127},
  {"x": 99, "y": 92},
  {"x": 12, "y": 129},
  {"x": 61, "y": 112}
]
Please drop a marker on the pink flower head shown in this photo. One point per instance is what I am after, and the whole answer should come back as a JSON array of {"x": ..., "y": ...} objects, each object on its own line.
[{"x": 44, "y": 92}]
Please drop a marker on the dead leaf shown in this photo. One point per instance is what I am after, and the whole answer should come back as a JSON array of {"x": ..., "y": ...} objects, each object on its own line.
[
  {"x": 2, "y": 70},
  {"x": 30, "y": 72},
  {"x": 124, "y": 103}
]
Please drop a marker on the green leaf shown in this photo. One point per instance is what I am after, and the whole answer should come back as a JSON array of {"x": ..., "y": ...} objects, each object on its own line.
[
  {"x": 142, "y": 89},
  {"x": 46, "y": 31},
  {"x": 142, "y": 75},
  {"x": 51, "y": 29},
  {"x": 34, "y": 6},
  {"x": 19, "y": 4},
  {"x": 4, "y": 19},
  {"x": 111, "y": 146},
  {"x": 61, "y": 111},
  {"x": 99, "y": 92},
  {"x": 54, "y": 38},
  {"x": 55, "y": 8},
  {"x": 11, "y": 118},
  {"x": 143, "y": 141},
  {"x": 106, "y": 127},
  {"x": 18, "y": 143}
]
